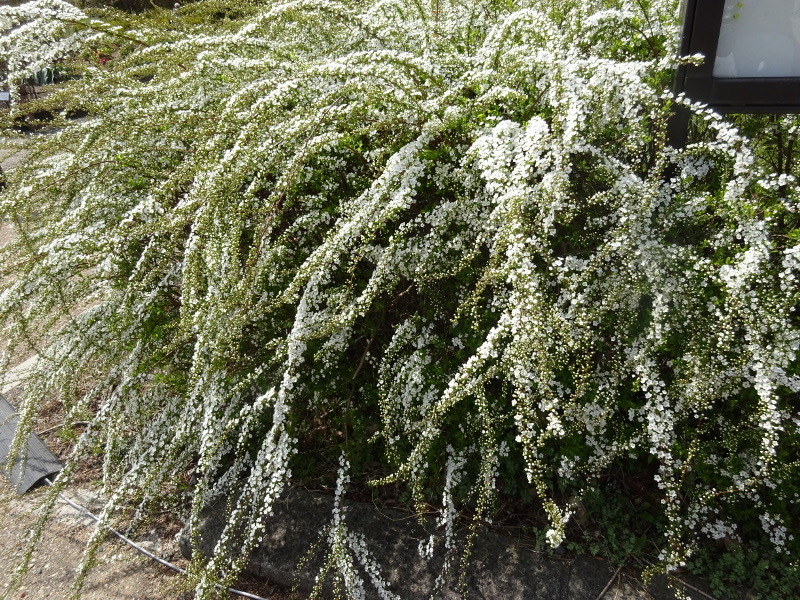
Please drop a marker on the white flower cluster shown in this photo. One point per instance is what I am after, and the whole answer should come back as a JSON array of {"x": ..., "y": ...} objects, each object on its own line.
[
  {"x": 456, "y": 231},
  {"x": 36, "y": 35},
  {"x": 348, "y": 551},
  {"x": 776, "y": 530}
]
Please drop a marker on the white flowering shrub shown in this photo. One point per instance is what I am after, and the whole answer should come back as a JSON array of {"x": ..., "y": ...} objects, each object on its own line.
[{"x": 446, "y": 237}]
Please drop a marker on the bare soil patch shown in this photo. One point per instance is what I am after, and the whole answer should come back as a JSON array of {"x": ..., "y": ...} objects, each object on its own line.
[{"x": 121, "y": 572}]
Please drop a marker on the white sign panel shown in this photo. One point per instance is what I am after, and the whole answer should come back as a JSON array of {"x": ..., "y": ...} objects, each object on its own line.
[{"x": 759, "y": 38}]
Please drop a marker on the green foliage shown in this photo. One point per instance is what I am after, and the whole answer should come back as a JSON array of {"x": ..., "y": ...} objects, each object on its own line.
[
  {"x": 622, "y": 528},
  {"x": 732, "y": 569},
  {"x": 442, "y": 245}
]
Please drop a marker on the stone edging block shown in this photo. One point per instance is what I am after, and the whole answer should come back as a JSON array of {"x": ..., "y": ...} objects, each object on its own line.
[{"x": 499, "y": 568}]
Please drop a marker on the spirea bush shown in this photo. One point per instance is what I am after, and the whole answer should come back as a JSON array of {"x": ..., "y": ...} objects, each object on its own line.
[{"x": 449, "y": 238}]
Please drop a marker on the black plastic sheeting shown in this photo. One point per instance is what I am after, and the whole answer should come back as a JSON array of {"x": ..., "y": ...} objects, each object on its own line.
[{"x": 39, "y": 463}]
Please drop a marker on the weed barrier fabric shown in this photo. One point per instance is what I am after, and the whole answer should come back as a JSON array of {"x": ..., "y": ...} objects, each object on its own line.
[{"x": 39, "y": 463}]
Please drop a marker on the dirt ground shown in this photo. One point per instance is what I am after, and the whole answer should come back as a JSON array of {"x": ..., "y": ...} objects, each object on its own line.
[{"x": 121, "y": 572}]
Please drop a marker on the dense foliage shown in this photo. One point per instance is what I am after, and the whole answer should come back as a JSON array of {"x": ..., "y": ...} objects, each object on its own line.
[{"x": 447, "y": 238}]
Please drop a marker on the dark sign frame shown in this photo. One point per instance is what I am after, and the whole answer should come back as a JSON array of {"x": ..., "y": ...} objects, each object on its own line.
[{"x": 702, "y": 22}]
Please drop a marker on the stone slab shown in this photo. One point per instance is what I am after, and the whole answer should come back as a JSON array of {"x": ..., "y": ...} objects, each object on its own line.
[{"x": 499, "y": 568}]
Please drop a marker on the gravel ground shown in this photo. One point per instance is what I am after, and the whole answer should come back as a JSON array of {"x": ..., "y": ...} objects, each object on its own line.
[{"x": 120, "y": 572}]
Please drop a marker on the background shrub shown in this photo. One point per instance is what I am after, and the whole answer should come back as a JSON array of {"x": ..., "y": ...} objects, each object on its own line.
[{"x": 446, "y": 242}]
